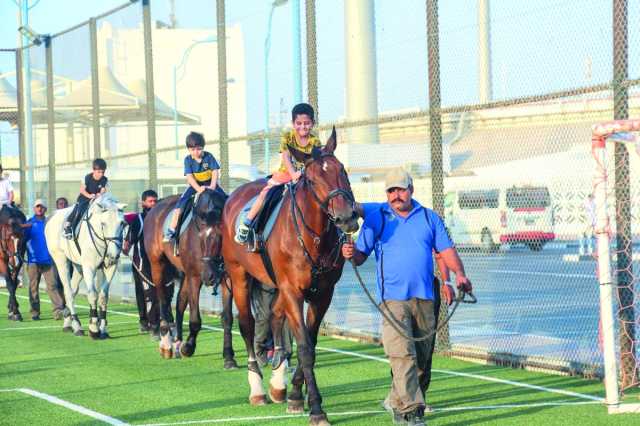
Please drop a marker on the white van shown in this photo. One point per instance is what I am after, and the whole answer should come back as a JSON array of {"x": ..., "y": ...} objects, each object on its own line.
[{"x": 488, "y": 217}]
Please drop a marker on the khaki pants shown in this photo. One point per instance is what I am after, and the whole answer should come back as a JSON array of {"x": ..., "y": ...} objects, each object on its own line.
[
  {"x": 35, "y": 271},
  {"x": 410, "y": 361}
]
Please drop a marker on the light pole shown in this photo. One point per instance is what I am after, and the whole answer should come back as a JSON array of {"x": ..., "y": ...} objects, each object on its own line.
[
  {"x": 182, "y": 64},
  {"x": 297, "y": 67},
  {"x": 26, "y": 36}
]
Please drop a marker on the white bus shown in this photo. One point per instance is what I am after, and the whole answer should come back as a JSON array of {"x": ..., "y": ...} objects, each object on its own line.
[{"x": 490, "y": 216}]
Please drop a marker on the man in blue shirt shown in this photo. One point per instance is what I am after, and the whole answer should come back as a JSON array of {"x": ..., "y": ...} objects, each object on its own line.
[
  {"x": 39, "y": 263},
  {"x": 403, "y": 235}
]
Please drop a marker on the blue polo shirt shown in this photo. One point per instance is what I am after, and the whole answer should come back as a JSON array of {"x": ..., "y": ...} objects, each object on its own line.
[
  {"x": 403, "y": 250},
  {"x": 37, "y": 251}
]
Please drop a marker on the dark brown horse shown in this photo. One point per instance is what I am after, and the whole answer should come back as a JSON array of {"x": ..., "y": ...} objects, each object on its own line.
[
  {"x": 198, "y": 248},
  {"x": 304, "y": 249},
  {"x": 12, "y": 249}
]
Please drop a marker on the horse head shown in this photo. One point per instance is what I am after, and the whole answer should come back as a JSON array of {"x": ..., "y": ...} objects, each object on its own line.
[
  {"x": 106, "y": 219},
  {"x": 13, "y": 218},
  {"x": 208, "y": 211},
  {"x": 329, "y": 183}
]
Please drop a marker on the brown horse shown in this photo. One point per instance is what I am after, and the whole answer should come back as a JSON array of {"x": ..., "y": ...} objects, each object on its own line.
[
  {"x": 198, "y": 249},
  {"x": 304, "y": 251},
  {"x": 12, "y": 249}
]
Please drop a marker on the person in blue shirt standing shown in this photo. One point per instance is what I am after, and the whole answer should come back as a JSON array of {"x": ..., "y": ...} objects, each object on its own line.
[
  {"x": 404, "y": 234},
  {"x": 39, "y": 263}
]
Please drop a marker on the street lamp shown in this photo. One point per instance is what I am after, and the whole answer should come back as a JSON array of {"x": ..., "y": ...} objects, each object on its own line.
[
  {"x": 297, "y": 66},
  {"x": 182, "y": 64},
  {"x": 27, "y": 36}
]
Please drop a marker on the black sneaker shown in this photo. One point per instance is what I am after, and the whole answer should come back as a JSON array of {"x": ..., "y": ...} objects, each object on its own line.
[
  {"x": 243, "y": 234},
  {"x": 169, "y": 236}
]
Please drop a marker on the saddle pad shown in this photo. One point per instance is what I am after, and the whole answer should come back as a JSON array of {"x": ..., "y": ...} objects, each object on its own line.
[
  {"x": 182, "y": 226},
  {"x": 268, "y": 227}
]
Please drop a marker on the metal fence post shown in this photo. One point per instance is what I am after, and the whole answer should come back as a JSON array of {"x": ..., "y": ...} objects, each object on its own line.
[
  {"x": 95, "y": 87},
  {"x": 151, "y": 110},
  {"x": 623, "y": 197},
  {"x": 435, "y": 138},
  {"x": 50, "y": 122},
  {"x": 312, "y": 56},
  {"x": 22, "y": 149},
  {"x": 223, "y": 119}
]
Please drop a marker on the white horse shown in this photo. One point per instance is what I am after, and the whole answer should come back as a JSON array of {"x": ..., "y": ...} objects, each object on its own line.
[{"x": 93, "y": 257}]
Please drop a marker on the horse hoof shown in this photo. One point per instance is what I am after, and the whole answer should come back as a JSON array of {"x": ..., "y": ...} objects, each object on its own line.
[
  {"x": 230, "y": 364},
  {"x": 104, "y": 336},
  {"x": 95, "y": 335},
  {"x": 295, "y": 406},
  {"x": 14, "y": 316},
  {"x": 166, "y": 353},
  {"x": 319, "y": 420},
  {"x": 187, "y": 350},
  {"x": 67, "y": 329},
  {"x": 78, "y": 333},
  {"x": 257, "y": 400},
  {"x": 277, "y": 396}
]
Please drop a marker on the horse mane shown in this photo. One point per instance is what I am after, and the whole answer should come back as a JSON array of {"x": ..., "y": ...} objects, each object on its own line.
[{"x": 212, "y": 211}]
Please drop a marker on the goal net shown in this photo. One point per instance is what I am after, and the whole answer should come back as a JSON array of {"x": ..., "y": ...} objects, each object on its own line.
[{"x": 616, "y": 203}]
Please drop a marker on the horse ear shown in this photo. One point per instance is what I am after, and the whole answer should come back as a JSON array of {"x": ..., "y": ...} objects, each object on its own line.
[
  {"x": 300, "y": 156},
  {"x": 332, "y": 142},
  {"x": 316, "y": 153}
]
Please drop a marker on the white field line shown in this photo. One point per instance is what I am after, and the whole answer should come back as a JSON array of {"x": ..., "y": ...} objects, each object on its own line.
[
  {"x": 360, "y": 413},
  {"x": 384, "y": 360},
  {"x": 44, "y": 327},
  {"x": 69, "y": 405},
  {"x": 549, "y": 274}
]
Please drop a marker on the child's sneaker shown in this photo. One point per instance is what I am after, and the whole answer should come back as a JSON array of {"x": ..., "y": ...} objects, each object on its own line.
[
  {"x": 243, "y": 234},
  {"x": 169, "y": 236}
]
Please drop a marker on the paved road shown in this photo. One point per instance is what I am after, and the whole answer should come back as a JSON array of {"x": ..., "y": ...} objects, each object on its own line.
[{"x": 529, "y": 303}]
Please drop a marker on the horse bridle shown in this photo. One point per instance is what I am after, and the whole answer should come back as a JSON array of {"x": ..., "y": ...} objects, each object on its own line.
[
  {"x": 106, "y": 240},
  {"x": 318, "y": 269}
]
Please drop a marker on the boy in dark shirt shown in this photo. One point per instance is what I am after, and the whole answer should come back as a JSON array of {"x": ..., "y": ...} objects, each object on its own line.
[
  {"x": 95, "y": 183},
  {"x": 201, "y": 170}
]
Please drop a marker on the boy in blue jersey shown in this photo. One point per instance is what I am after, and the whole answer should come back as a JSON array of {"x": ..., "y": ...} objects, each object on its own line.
[
  {"x": 202, "y": 171},
  {"x": 39, "y": 263},
  {"x": 403, "y": 235}
]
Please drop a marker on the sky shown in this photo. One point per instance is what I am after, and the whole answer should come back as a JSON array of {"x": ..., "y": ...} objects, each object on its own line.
[{"x": 536, "y": 47}]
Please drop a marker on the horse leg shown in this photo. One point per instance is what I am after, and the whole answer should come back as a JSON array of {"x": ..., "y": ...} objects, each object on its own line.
[
  {"x": 12, "y": 285},
  {"x": 158, "y": 277},
  {"x": 181, "y": 305},
  {"x": 103, "y": 300},
  {"x": 89, "y": 275},
  {"x": 242, "y": 295},
  {"x": 195, "y": 322},
  {"x": 278, "y": 382},
  {"x": 227, "y": 324},
  {"x": 306, "y": 356}
]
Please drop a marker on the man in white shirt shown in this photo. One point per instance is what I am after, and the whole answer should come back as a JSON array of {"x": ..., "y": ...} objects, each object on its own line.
[{"x": 6, "y": 190}]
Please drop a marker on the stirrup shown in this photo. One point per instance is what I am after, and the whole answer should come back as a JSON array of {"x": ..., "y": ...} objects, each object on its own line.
[{"x": 67, "y": 233}]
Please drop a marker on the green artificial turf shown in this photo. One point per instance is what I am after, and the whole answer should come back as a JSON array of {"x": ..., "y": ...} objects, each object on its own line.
[{"x": 125, "y": 378}]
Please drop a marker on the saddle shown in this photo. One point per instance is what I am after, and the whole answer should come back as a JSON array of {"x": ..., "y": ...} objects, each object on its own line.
[
  {"x": 266, "y": 218},
  {"x": 183, "y": 222}
]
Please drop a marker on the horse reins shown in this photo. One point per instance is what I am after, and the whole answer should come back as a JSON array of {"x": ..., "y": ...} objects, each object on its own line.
[
  {"x": 316, "y": 267},
  {"x": 395, "y": 323}
]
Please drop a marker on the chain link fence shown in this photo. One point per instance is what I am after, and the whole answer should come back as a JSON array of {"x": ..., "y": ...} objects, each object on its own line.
[{"x": 489, "y": 105}]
